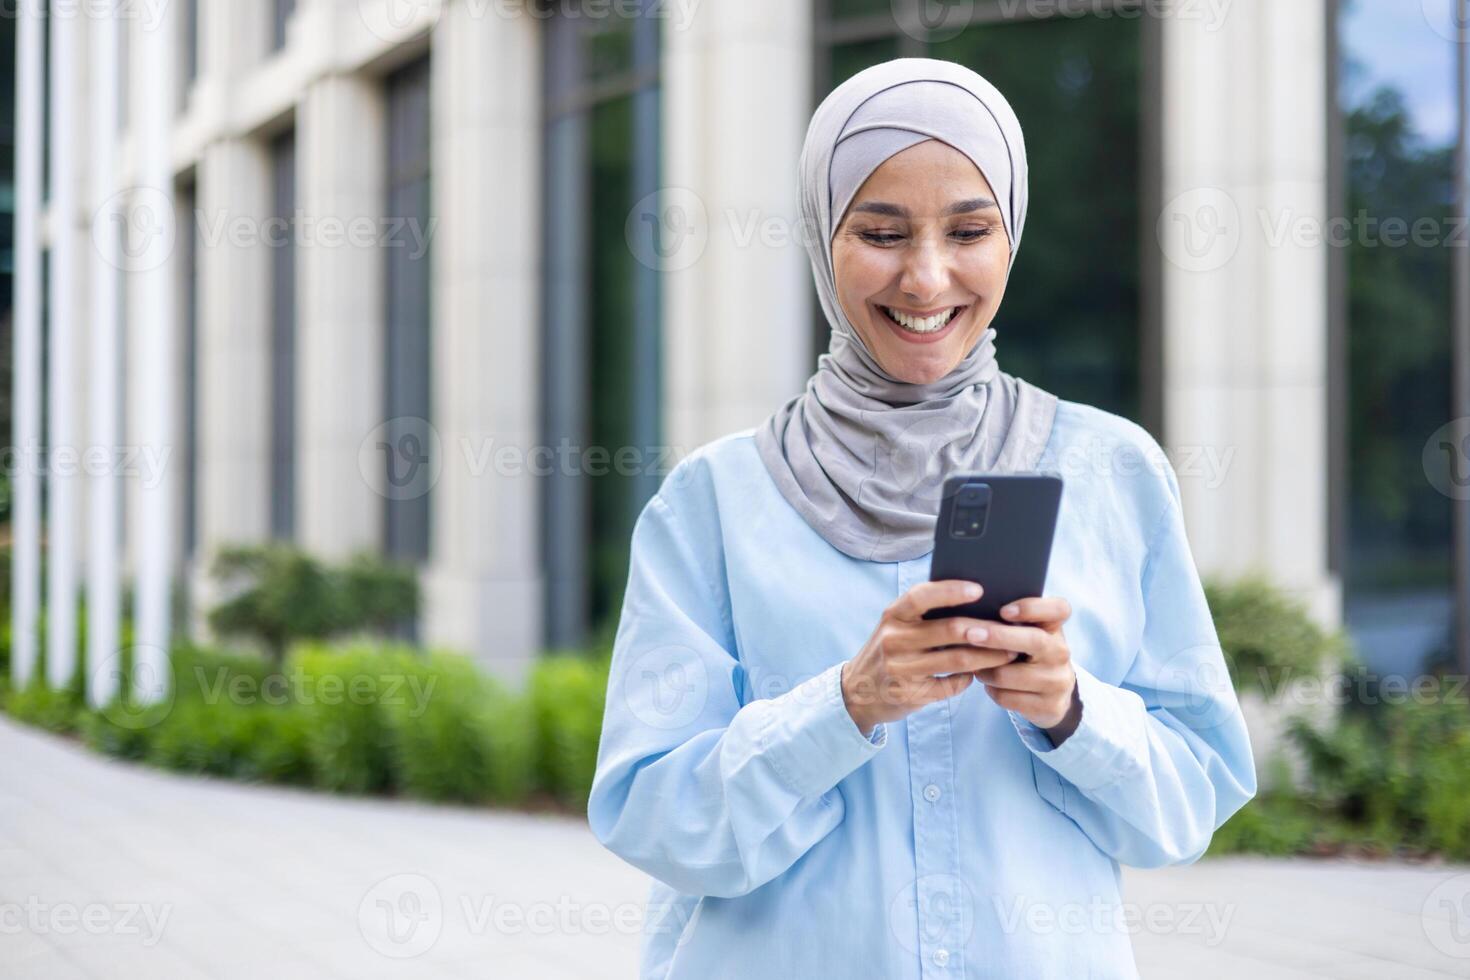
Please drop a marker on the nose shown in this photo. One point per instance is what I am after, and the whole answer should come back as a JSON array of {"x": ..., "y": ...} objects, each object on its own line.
[{"x": 925, "y": 273}]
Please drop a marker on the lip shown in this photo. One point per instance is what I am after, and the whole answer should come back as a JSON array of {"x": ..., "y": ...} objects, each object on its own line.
[{"x": 926, "y": 338}]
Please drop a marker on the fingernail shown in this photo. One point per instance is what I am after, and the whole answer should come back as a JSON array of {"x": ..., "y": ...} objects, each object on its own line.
[
  {"x": 973, "y": 590},
  {"x": 977, "y": 634},
  {"x": 1008, "y": 611}
]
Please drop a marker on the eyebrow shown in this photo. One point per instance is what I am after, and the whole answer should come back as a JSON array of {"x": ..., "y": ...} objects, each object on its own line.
[{"x": 898, "y": 211}]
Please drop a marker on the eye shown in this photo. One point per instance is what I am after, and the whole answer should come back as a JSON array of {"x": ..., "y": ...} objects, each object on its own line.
[
  {"x": 972, "y": 234},
  {"x": 879, "y": 237}
]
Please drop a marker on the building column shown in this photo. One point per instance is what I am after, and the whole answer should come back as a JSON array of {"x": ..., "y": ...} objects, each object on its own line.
[
  {"x": 63, "y": 449},
  {"x": 1245, "y": 290},
  {"x": 153, "y": 336},
  {"x": 734, "y": 350},
  {"x": 483, "y": 586},
  {"x": 103, "y": 596},
  {"x": 341, "y": 179},
  {"x": 25, "y": 574}
]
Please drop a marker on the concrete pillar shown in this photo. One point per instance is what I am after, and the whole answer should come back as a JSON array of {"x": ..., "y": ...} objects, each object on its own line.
[
  {"x": 483, "y": 586},
  {"x": 339, "y": 323},
  {"x": 737, "y": 292},
  {"x": 25, "y": 574},
  {"x": 153, "y": 335},
  {"x": 65, "y": 335},
  {"x": 1244, "y": 289},
  {"x": 105, "y": 263}
]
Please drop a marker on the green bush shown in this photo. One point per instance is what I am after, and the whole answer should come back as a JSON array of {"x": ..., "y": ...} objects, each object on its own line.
[
  {"x": 54, "y": 709},
  {"x": 459, "y": 735},
  {"x": 1399, "y": 773},
  {"x": 348, "y": 736},
  {"x": 1269, "y": 638},
  {"x": 250, "y": 742},
  {"x": 568, "y": 694},
  {"x": 281, "y": 595}
]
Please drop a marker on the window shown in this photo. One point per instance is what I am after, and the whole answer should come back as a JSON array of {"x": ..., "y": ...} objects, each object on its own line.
[
  {"x": 1398, "y": 130},
  {"x": 601, "y": 342},
  {"x": 189, "y": 414},
  {"x": 407, "y": 343},
  {"x": 1077, "y": 318},
  {"x": 283, "y": 339},
  {"x": 281, "y": 11}
]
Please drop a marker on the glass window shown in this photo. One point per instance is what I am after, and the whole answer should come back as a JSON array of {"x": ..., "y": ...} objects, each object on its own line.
[
  {"x": 283, "y": 339},
  {"x": 1072, "y": 320},
  {"x": 189, "y": 414},
  {"x": 1396, "y": 94},
  {"x": 601, "y": 344},
  {"x": 281, "y": 11},
  {"x": 407, "y": 342}
]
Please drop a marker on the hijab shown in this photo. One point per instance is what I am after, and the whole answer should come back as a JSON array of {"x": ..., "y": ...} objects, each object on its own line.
[{"x": 861, "y": 455}]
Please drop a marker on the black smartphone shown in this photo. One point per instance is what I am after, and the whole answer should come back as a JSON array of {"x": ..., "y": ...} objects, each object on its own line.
[{"x": 996, "y": 530}]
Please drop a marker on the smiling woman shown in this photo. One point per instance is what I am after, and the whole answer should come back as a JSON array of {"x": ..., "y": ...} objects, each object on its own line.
[{"x": 783, "y": 721}]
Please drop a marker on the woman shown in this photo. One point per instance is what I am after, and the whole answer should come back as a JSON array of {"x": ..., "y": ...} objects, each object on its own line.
[{"x": 777, "y": 751}]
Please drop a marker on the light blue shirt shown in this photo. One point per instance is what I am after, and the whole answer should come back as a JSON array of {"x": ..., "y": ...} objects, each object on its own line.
[{"x": 957, "y": 842}]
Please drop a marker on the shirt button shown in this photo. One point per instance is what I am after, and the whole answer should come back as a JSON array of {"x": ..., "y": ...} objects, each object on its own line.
[
  {"x": 941, "y": 957},
  {"x": 932, "y": 793}
]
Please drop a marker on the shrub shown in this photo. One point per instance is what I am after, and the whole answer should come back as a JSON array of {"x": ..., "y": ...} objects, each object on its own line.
[
  {"x": 459, "y": 735},
  {"x": 347, "y": 734},
  {"x": 568, "y": 694},
  {"x": 282, "y": 595},
  {"x": 54, "y": 709},
  {"x": 1268, "y": 637},
  {"x": 250, "y": 742}
]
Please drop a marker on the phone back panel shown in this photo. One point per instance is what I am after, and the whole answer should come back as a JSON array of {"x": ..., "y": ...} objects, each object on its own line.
[{"x": 1010, "y": 552}]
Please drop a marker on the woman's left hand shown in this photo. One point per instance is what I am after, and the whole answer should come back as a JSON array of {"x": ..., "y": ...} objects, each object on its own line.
[{"x": 1040, "y": 688}]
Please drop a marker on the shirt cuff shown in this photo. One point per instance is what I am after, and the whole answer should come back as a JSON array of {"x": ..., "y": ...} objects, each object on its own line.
[
  {"x": 812, "y": 740},
  {"x": 1099, "y": 751}
]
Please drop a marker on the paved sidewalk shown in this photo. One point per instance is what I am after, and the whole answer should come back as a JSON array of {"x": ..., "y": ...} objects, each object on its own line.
[{"x": 117, "y": 871}]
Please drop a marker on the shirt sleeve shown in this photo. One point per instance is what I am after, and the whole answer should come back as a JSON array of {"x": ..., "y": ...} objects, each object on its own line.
[
  {"x": 705, "y": 794},
  {"x": 1159, "y": 762}
]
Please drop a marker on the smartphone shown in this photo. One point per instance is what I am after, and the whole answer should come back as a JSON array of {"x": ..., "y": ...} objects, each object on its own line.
[{"x": 996, "y": 530}]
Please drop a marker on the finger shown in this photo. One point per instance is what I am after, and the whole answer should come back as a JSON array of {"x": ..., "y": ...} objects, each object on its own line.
[
  {"x": 931, "y": 634},
  {"x": 1038, "y": 611},
  {"x": 1032, "y": 640},
  {"x": 962, "y": 659},
  {"x": 1014, "y": 677},
  {"x": 1012, "y": 700},
  {"x": 925, "y": 596},
  {"x": 946, "y": 687}
]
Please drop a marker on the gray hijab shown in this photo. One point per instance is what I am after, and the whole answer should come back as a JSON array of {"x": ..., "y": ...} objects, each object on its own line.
[{"x": 861, "y": 455}]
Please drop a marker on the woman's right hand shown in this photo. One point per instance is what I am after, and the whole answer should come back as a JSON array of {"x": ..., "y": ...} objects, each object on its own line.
[{"x": 892, "y": 675}]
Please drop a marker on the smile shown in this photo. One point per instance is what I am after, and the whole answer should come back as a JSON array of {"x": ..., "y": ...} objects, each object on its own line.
[{"x": 922, "y": 326}]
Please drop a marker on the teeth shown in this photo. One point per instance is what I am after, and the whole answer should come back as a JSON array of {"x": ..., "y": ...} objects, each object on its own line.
[{"x": 922, "y": 324}]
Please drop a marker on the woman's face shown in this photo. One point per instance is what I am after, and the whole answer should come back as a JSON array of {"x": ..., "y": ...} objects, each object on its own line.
[{"x": 920, "y": 260}]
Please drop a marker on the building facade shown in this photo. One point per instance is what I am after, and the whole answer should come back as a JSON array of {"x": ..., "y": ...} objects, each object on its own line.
[{"x": 457, "y": 281}]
